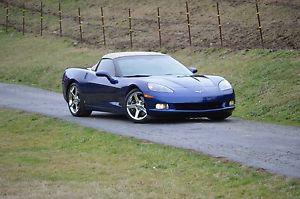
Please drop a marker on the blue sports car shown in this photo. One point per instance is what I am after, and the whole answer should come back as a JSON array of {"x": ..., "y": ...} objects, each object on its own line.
[{"x": 144, "y": 85}]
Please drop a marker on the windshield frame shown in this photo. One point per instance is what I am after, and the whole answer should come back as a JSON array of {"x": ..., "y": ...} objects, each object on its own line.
[{"x": 119, "y": 72}]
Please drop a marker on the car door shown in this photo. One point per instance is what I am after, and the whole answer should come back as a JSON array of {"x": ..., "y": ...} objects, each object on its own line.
[{"x": 100, "y": 92}]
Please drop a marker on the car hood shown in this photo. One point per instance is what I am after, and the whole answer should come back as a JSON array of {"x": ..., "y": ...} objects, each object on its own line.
[{"x": 201, "y": 83}]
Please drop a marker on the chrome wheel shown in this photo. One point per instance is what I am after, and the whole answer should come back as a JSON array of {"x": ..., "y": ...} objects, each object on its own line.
[
  {"x": 74, "y": 100},
  {"x": 135, "y": 106}
]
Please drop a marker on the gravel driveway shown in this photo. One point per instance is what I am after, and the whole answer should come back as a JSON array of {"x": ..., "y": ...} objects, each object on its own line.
[{"x": 272, "y": 147}]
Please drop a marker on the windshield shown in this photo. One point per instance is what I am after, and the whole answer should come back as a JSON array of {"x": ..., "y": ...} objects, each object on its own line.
[{"x": 156, "y": 65}]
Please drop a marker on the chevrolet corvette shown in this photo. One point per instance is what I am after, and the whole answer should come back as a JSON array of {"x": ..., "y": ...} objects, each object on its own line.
[{"x": 144, "y": 85}]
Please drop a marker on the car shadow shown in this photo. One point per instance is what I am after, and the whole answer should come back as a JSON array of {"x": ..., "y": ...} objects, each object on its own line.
[
  {"x": 183, "y": 120},
  {"x": 112, "y": 116},
  {"x": 109, "y": 116}
]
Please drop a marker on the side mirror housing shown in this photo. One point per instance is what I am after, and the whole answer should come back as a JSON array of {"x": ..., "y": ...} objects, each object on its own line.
[
  {"x": 193, "y": 69},
  {"x": 108, "y": 76}
]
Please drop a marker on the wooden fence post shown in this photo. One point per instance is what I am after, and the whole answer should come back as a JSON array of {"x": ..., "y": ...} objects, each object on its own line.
[
  {"x": 103, "y": 27},
  {"x": 80, "y": 24},
  {"x": 60, "y": 18},
  {"x": 130, "y": 28},
  {"x": 220, "y": 26},
  {"x": 41, "y": 11},
  {"x": 159, "y": 29},
  {"x": 188, "y": 22},
  {"x": 6, "y": 18},
  {"x": 259, "y": 24},
  {"x": 23, "y": 19}
]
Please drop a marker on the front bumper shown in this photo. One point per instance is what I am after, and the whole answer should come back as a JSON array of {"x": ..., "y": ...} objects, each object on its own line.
[
  {"x": 192, "y": 107},
  {"x": 189, "y": 113}
]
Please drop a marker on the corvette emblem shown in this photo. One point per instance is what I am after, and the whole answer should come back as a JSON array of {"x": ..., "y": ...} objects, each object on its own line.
[{"x": 198, "y": 91}]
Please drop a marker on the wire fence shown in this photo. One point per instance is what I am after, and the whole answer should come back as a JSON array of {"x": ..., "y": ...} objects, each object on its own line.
[{"x": 103, "y": 26}]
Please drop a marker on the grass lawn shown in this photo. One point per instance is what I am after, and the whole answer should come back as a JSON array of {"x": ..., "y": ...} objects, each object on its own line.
[
  {"x": 47, "y": 158},
  {"x": 267, "y": 84}
]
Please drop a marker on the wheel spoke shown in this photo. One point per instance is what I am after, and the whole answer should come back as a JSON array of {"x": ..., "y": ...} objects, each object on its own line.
[
  {"x": 143, "y": 110},
  {"x": 131, "y": 106},
  {"x": 71, "y": 103},
  {"x": 136, "y": 98},
  {"x": 76, "y": 101},
  {"x": 137, "y": 112},
  {"x": 75, "y": 92},
  {"x": 72, "y": 90}
]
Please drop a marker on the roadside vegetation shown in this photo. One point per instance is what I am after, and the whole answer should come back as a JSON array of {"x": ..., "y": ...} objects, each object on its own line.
[
  {"x": 267, "y": 83},
  {"x": 47, "y": 158}
]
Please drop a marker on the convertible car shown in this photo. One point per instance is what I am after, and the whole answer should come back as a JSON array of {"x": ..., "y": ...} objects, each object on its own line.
[{"x": 146, "y": 85}]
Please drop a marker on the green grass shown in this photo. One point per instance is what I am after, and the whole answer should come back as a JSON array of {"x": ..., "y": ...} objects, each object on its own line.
[
  {"x": 40, "y": 62},
  {"x": 267, "y": 84},
  {"x": 42, "y": 157}
]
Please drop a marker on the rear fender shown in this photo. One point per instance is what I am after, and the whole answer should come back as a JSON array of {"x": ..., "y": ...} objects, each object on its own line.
[{"x": 70, "y": 76}]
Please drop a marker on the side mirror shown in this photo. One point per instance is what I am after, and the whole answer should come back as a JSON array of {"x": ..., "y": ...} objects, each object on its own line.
[
  {"x": 108, "y": 76},
  {"x": 193, "y": 69}
]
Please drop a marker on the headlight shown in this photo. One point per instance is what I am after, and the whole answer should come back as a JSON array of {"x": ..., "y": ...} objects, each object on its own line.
[
  {"x": 224, "y": 85},
  {"x": 159, "y": 88}
]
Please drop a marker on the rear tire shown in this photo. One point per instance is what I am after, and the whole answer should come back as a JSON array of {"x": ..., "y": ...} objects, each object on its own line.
[{"x": 75, "y": 102}]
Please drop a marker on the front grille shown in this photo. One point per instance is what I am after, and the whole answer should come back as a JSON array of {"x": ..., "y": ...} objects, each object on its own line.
[{"x": 198, "y": 106}]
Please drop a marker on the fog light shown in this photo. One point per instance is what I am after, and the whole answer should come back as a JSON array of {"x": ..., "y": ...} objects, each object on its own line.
[
  {"x": 161, "y": 106},
  {"x": 231, "y": 103}
]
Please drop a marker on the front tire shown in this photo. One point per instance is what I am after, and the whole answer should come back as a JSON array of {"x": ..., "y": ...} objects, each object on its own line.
[
  {"x": 135, "y": 106},
  {"x": 75, "y": 102}
]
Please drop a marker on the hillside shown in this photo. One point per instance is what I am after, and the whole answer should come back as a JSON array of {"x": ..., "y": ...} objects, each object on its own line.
[
  {"x": 267, "y": 83},
  {"x": 280, "y": 22}
]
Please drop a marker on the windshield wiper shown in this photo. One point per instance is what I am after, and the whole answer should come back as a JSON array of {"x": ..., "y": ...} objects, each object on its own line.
[
  {"x": 197, "y": 75},
  {"x": 194, "y": 75},
  {"x": 138, "y": 75}
]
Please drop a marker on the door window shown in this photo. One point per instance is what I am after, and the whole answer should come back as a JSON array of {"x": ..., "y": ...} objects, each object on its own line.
[{"x": 107, "y": 65}]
